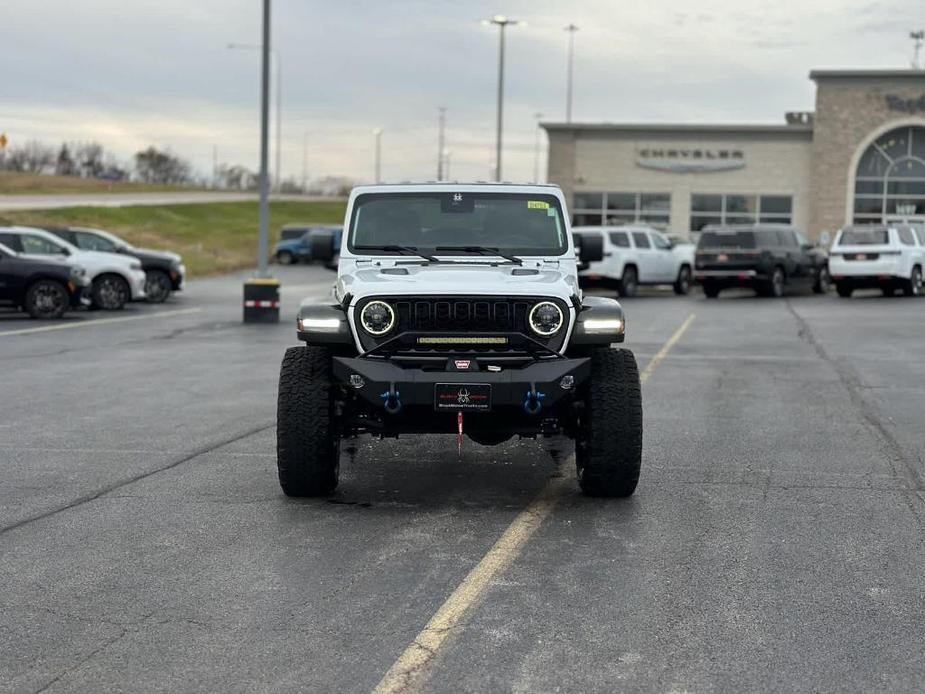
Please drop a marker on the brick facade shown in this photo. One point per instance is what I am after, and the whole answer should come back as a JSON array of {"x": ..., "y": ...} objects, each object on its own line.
[{"x": 852, "y": 110}]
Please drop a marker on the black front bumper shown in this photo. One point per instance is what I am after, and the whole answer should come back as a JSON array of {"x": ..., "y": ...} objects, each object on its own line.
[{"x": 510, "y": 388}]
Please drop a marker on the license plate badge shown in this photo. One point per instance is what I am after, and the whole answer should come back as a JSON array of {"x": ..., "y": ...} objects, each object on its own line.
[{"x": 462, "y": 396}]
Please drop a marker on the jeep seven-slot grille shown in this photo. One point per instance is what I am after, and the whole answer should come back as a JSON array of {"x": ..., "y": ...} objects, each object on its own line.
[{"x": 465, "y": 315}]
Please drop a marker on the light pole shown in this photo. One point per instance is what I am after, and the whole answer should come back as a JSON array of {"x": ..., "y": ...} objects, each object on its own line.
[
  {"x": 536, "y": 149},
  {"x": 446, "y": 165},
  {"x": 571, "y": 29},
  {"x": 279, "y": 99},
  {"x": 917, "y": 38},
  {"x": 304, "y": 162},
  {"x": 377, "y": 132},
  {"x": 441, "y": 125},
  {"x": 502, "y": 23}
]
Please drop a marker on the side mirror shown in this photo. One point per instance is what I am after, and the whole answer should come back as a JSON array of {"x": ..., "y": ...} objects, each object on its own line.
[
  {"x": 591, "y": 248},
  {"x": 322, "y": 246}
]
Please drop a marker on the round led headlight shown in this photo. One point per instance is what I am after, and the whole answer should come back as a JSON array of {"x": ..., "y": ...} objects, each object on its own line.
[
  {"x": 377, "y": 318},
  {"x": 545, "y": 318}
]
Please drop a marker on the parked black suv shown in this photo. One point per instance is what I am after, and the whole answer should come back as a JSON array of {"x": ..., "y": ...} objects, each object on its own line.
[
  {"x": 43, "y": 287},
  {"x": 769, "y": 258},
  {"x": 164, "y": 271}
]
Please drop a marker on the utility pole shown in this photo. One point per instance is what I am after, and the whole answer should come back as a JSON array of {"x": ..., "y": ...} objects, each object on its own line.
[
  {"x": 502, "y": 23},
  {"x": 446, "y": 170},
  {"x": 263, "y": 240},
  {"x": 536, "y": 149},
  {"x": 571, "y": 29},
  {"x": 377, "y": 132},
  {"x": 917, "y": 38},
  {"x": 441, "y": 126}
]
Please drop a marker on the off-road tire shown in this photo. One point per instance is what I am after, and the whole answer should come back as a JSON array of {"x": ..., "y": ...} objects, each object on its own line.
[
  {"x": 682, "y": 285},
  {"x": 913, "y": 285},
  {"x": 629, "y": 283},
  {"x": 307, "y": 445},
  {"x": 157, "y": 286},
  {"x": 285, "y": 258},
  {"x": 823, "y": 282},
  {"x": 844, "y": 290},
  {"x": 710, "y": 290},
  {"x": 46, "y": 299},
  {"x": 110, "y": 293},
  {"x": 608, "y": 452}
]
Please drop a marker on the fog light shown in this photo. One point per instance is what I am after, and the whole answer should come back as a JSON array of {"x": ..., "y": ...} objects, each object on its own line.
[
  {"x": 567, "y": 382},
  {"x": 356, "y": 380}
]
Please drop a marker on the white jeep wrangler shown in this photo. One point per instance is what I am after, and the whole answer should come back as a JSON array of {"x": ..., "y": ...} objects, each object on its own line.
[{"x": 457, "y": 310}]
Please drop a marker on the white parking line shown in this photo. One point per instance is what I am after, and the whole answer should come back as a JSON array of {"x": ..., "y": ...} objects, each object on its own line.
[{"x": 98, "y": 321}]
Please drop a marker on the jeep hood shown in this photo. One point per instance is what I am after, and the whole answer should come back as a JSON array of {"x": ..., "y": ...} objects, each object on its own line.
[{"x": 464, "y": 279}]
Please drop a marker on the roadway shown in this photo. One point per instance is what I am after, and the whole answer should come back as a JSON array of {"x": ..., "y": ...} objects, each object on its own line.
[
  {"x": 775, "y": 542},
  {"x": 41, "y": 201}
]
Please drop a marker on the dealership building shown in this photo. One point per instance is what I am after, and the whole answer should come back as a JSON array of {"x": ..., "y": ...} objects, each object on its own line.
[{"x": 859, "y": 157}]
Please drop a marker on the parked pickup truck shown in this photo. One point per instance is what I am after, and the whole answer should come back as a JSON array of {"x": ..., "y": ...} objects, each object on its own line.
[
  {"x": 635, "y": 255},
  {"x": 295, "y": 243}
]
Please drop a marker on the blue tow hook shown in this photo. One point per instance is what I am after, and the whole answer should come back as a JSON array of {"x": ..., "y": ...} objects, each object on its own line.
[
  {"x": 533, "y": 400},
  {"x": 391, "y": 400}
]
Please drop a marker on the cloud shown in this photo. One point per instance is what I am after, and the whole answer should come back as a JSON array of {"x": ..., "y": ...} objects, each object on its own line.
[{"x": 158, "y": 72}]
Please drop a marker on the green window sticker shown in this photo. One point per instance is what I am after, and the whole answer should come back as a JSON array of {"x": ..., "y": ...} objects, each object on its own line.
[{"x": 537, "y": 205}]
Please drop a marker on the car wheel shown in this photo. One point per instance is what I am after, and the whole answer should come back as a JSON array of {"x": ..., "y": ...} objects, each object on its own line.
[
  {"x": 285, "y": 258},
  {"x": 629, "y": 282},
  {"x": 823, "y": 282},
  {"x": 775, "y": 286},
  {"x": 608, "y": 449},
  {"x": 913, "y": 285},
  {"x": 844, "y": 290},
  {"x": 710, "y": 290},
  {"x": 110, "y": 292},
  {"x": 157, "y": 286},
  {"x": 307, "y": 444},
  {"x": 46, "y": 299},
  {"x": 682, "y": 285}
]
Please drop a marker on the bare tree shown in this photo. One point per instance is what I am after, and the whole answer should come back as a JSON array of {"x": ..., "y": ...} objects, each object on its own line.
[
  {"x": 65, "y": 165},
  {"x": 31, "y": 157},
  {"x": 88, "y": 156},
  {"x": 236, "y": 177},
  {"x": 156, "y": 166}
]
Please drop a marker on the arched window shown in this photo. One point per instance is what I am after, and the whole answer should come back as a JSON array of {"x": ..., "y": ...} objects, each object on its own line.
[{"x": 890, "y": 181}]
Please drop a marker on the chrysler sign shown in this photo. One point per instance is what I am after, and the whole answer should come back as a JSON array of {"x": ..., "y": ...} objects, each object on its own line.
[
  {"x": 689, "y": 159},
  {"x": 897, "y": 103}
]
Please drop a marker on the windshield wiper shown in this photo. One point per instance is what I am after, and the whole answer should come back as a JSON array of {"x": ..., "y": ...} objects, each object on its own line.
[
  {"x": 401, "y": 250},
  {"x": 482, "y": 250}
]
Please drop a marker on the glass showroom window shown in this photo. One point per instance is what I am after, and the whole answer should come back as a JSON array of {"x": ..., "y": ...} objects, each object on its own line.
[
  {"x": 721, "y": 209},
  {"x": 594, "y": 209},
  {"x": 890, "y": 180}
]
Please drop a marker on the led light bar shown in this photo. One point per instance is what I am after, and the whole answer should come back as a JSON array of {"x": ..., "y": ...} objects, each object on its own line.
[{"x": 462, "y": 340}]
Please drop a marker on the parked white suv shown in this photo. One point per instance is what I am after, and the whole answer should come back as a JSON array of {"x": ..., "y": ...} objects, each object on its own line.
[
  {"x": 888, "y": 258},
  {"x": 635, "y": 255},
  {"x": 115, "y": 279}
]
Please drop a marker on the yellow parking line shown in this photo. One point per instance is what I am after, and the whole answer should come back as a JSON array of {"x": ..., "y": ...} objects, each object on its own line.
[
  {"x": 410, "y": 671},
  {"x": 99, "y": 321}
]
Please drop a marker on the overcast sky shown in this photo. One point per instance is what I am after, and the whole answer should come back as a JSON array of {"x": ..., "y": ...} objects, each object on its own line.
[{"x": 130, "y": 73}]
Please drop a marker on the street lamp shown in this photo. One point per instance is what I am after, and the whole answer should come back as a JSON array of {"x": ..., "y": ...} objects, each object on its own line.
[
  {"x": 441, "y": 128},
  {"x": 571, "y": 29},
  {"x": 446, "y": 164},
  {"x": 304, "y": 162},
  {"x": 536, "y": 149},
  {"x": 502, "y": 23},
  {"x": 377, "y": 133},
  {"x": 279, "y": 98}
]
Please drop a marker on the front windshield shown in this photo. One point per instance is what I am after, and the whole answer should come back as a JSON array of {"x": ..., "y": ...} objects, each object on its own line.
[{"x": 453, "y": 223}]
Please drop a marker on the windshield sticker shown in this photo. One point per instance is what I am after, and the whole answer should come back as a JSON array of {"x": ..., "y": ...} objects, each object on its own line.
[
  {"x": 537, "y": 205},
  {"x": 551, "y": 212}
]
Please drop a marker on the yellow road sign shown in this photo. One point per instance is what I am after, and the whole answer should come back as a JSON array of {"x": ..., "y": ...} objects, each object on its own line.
[{"x": 3, "y": 140}]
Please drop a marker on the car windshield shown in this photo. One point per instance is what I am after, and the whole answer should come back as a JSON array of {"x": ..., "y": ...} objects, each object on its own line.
[
  {"x": 458, "y": 222},
  {"x": 727, "y": 239},
  {"x": 864, "y": 237}
]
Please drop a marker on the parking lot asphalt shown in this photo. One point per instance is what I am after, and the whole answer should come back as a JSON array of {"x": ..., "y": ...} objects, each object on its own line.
[{"x": 775, "y": 542}]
